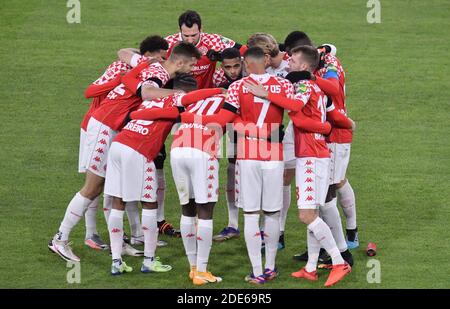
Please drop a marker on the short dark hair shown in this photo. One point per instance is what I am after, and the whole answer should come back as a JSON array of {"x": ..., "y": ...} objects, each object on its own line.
[
  {"x": 189, "y": 18},
  {"x": 231, "y": 53},
  {"x": 297, "y": 38},
  {"x": 254, "y": 52},
  {"x": 153, "y": 43},
  {"x": 187, "y": 50},
  {"x": 309, "y": 54},
  {"x": 185, "y": 82}
]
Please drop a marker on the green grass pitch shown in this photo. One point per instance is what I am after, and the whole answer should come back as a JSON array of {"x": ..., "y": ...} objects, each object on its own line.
[{"x": 398, "y": 93}]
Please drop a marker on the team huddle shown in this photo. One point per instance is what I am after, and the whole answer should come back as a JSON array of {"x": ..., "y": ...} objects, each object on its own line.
[{"x": 173, "y": 85}]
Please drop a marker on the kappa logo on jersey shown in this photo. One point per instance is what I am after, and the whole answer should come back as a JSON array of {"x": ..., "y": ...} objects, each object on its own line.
[
  {"x": 309, "y": 189},
  {"x": 148, "y": 187},
  {"x": 309, "y": 179}
]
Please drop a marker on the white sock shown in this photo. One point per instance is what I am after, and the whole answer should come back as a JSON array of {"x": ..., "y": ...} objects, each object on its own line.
[
  {"x": 323, "y": 235},
  {"x": 330, "y": 214},
  {"x": 107, "y": 206},
  {"x": 233, "y": 210},
  {"x": 347, "y": 201},
  {"x": 286, "y": 204},
  {"x": 90, "y": 217},
  {"x": 204, "y": 242},
  {"x": 115, "y": 227},
  {"x": 132, "y": 211},
  {"x": 253, "y": 242},
  {"x": 160, "y": 193},
  {"x": 271, "y": 236},
  {"x": 313, "y": 251},
  {"x": 73, "y": 215},
  {"x": 189, "y": 236},
  {"x": 150, "y": 228}
]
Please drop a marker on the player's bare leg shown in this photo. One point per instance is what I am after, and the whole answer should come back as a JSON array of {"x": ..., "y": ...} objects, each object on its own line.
[
  {"x": 204, "y": 241},
  {"x": 189, "y": 234},
  {"x": 346, "y": 198},
  {"x": 92, "y": 188},
  {"x": 150, "y": 228}
]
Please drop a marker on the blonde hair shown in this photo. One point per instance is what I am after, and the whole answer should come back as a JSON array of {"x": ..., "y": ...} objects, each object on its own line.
[{"x": 266, "y": 42}]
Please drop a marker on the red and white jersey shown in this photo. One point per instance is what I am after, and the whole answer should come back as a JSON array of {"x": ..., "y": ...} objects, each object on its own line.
[
  {"x": 261, "y": 113},
  {"x": 110, "y": 73},
  {"x": 200, "y": 136},
  {"x": 283, "y": 68},
  {"x": 120, "y": 101},
  {"x": 315, "y": 101},
  {"x": 219, "y": 78},
  {"x": 147, "y": 137},
  {"x": 332, "y": 64},
  {"x": 204, "y": 68}
]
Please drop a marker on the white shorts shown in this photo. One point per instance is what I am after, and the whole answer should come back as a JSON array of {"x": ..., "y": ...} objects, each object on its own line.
[
  {"x": 311, "y": 178},
  {"x": 82, "y": 152},
  {"x": 259, "y": 185},
  {"x": 340, "y": 156},
  {"x": 130, "y": 175},
  {"x": 196, "y": 175},
  {"x": 289, "y": 147},
  {"x": 98, "y": 140}
]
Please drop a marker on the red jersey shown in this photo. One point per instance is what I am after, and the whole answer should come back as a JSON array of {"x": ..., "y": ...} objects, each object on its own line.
[
  {"x": 110, "y": 73},
  {"x": 200, "y": 136},
  {"x": 204, "y": 68},
  {"x": 219, "y": 78},
  {"x": 310, "y": 144},
  {"x": 333, "y": 66},
  {"x": 260, "y": 112},
  {"x": 147, "y": 137},
  {"x": 120, "y": 101}
]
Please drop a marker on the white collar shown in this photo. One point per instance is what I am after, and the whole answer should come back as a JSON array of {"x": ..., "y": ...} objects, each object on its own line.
[{"x": 261, "y": 78}]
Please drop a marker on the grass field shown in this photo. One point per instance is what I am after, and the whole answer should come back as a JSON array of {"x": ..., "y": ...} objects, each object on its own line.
[{"x": 398, "y": 90}]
